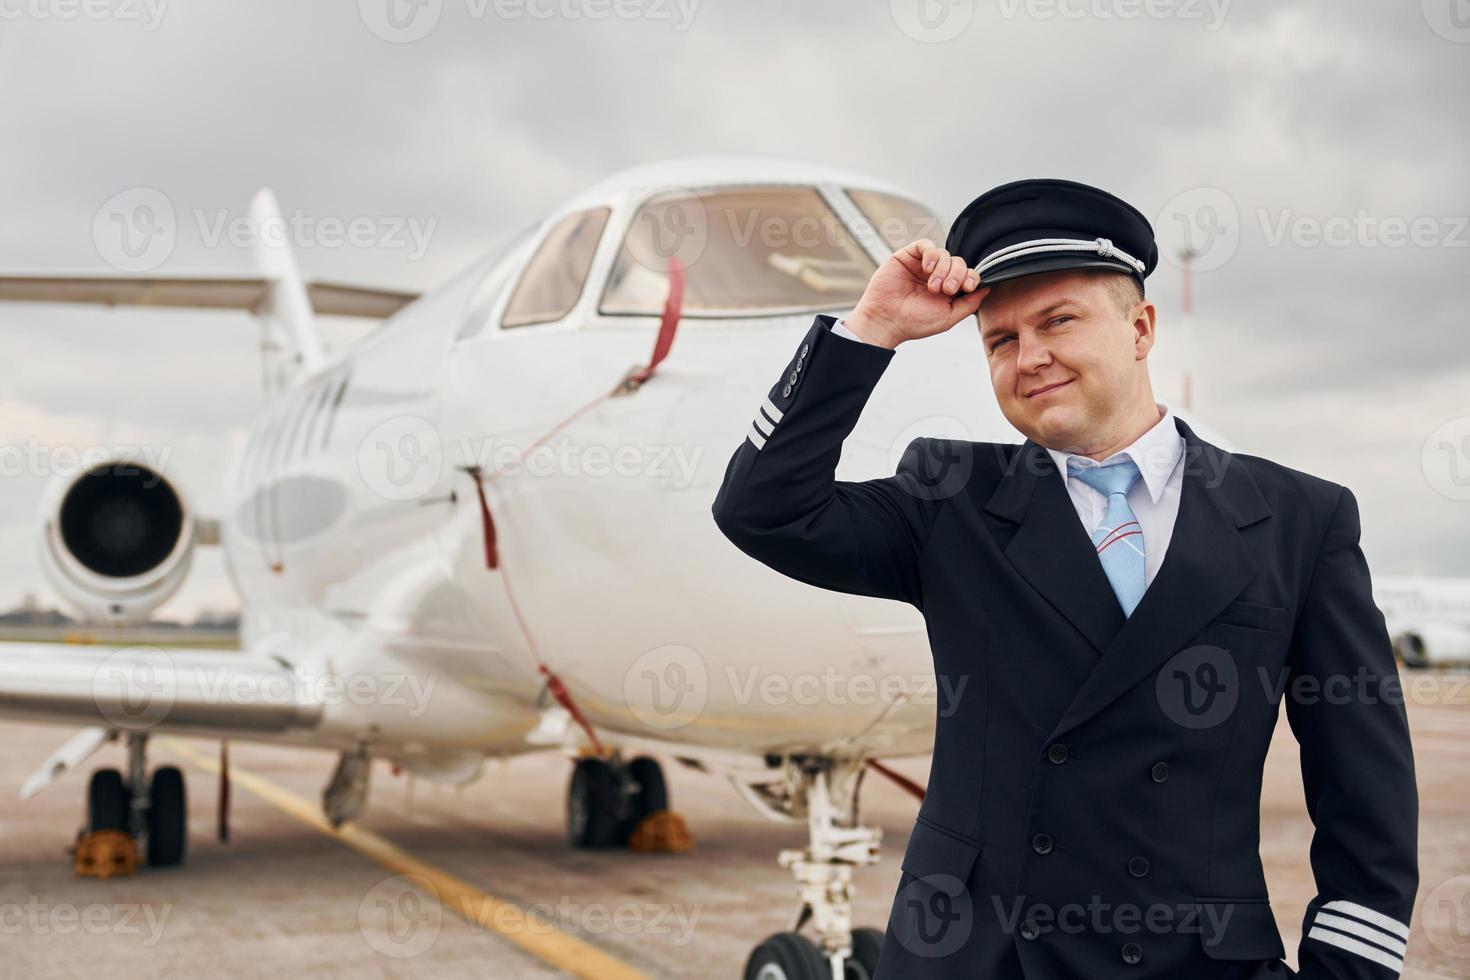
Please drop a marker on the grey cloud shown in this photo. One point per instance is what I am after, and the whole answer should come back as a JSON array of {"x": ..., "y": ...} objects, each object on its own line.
[{"x": 1317, "y": 107}]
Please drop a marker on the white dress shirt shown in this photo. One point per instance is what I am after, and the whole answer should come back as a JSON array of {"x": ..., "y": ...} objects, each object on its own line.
[{"x": 1154, "y": 499}]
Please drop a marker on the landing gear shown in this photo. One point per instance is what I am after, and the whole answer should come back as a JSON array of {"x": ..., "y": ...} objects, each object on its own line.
[
  {"x": 825, "y": 791},
  {"x": 787, "y": 956},
  {"x": 650, "y": 792},
  {"x": 867, "y": 943},
  {"x": 168, "y": 818},
  {"x": 792, "y": 956},
  {"x": 615, "y": 804},
  {"x": 108, "y": 801},
  {"x": 123, "y": 811},
  {"x": 597, "y": 805}
]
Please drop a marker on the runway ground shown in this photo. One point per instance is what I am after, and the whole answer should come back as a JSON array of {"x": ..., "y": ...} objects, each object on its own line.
[{"x": 286, "y": 897}]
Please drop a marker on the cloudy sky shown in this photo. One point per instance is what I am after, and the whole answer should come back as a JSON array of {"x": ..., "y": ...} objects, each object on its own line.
[{"x": 1315, "y": 152}]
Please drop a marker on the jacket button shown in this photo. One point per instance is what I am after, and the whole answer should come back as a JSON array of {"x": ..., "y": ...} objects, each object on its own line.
[
  {"x": 786, "y": 392},
  {"x": 1041, "y": 843},
  {"x": 1030, "y": 930},
  {"x": 1160, "y": 771},
  {"x": 1057, "y": 753},
  {"x": 1132, "y": 952},
  {"x": 804, "y": 349},
  {"x": 1138, "y": 867},
  {"x": 792, "y": 377}
]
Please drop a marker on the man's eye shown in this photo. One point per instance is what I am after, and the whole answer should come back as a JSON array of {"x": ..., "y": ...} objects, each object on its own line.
[
  {"x": 1059, "y": 319},
  {"x": 996, "y": 345}
]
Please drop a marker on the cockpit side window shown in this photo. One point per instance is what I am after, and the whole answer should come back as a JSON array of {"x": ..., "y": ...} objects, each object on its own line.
[
  {"x": 746, "y": 251},
  {"x": 483, "y": 300},
  {"x": 554, "y": 278},
  {"x": 898, "y": 221}
]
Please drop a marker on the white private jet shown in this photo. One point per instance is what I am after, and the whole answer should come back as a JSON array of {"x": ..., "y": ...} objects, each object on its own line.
[
  {"x": 485, "y": 529},
  {"x": 1428, "y": 618}
]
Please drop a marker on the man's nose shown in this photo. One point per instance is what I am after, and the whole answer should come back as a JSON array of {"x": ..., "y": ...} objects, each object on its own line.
[{"x": 1033, "y": 354}]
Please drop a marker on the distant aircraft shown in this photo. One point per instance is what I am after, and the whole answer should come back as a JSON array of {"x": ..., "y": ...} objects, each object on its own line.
[
  {"x": 1428, "y": 618},
  {"x": 382, "y": 541}
]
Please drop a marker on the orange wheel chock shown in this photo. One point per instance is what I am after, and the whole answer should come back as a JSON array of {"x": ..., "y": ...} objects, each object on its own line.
[{"x": 104, "y": 853}]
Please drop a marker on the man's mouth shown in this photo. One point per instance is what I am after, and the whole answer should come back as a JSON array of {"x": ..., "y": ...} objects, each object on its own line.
[{"x": 1042, "y": 391}]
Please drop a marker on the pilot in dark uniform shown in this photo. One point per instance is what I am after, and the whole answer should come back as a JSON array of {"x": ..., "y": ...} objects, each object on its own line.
[{"x": 1123, "y": 631}]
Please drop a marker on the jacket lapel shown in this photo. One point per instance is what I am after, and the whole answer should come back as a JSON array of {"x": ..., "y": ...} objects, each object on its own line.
[
  {"x": 1206, "y": 566},
  {"x": 1051, "y": 549}
]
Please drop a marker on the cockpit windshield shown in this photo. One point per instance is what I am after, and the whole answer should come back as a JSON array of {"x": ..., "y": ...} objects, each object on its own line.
[
  {"x": 897, "y": 220},
  {"x": 749, "y": 251}
]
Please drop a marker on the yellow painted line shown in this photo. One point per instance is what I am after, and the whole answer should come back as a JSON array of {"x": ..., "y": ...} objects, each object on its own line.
[{"x": 538, "y": 938}]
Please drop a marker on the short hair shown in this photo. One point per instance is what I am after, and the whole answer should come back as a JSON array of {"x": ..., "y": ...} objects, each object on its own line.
[{"x": 1126, "y": 290}]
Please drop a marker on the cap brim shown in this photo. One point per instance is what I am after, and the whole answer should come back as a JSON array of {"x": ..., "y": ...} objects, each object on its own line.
[{"x": 1051, "y": 263}]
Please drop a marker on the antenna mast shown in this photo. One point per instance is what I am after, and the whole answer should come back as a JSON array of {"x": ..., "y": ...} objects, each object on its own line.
[{"x": 1186, "y": 306}]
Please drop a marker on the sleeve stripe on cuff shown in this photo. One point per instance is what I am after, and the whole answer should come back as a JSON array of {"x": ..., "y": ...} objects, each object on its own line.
[{"x": 1364, "y": 950}]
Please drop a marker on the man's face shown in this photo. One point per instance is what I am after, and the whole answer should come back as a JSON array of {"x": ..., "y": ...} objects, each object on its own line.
[{"x": 1064, "y": 360}]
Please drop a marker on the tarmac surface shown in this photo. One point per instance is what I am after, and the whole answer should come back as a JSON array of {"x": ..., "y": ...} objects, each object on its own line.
[{"x": 284, "y": 897}]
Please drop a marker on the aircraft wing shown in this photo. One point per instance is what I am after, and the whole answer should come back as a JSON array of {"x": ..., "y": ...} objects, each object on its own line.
[
  {"x": 137, "y": 688},
  {"x": 249, "y": 293}
]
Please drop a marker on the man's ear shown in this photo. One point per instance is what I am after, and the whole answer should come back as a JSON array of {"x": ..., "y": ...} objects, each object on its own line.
[{"x": 1145, "y": 327}]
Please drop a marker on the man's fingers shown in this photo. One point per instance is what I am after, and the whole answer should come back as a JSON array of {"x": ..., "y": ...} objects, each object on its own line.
[
  {"x": 936, "y": 265},
  {"x": 954, "y": 275},
  {"x": 920, "y": 250},
  {"x": 943, "y": 274},
  {"x": 915, "y": 255},
  {"x": 968, "y": 304}
]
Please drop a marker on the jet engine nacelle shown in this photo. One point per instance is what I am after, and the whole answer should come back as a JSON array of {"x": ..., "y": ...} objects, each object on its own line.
[
  {"x": 1433, "y": 645},
  {"x": 116, "y": 540}
]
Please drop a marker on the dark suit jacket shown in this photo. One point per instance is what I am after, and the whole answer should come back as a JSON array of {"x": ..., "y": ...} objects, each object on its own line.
[{"x": 1093, "y": 804}]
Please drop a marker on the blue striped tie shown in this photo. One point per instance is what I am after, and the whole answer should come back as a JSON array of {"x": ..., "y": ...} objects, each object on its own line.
[{"x": 1119, "y": 538}]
